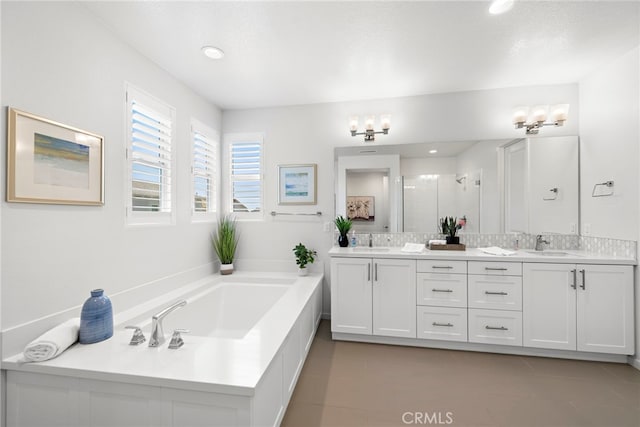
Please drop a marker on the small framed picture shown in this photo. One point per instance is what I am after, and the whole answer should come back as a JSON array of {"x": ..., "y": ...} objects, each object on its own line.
[
  {"x": 297, "y": 184},
  {"x": 48, "y": 162},
  {"x": 361, "y": 208}
]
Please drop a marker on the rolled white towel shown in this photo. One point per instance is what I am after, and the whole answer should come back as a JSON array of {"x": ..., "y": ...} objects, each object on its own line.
[
  {"x": 53, "y": 342},
  {"x": 437, "y": 242}
]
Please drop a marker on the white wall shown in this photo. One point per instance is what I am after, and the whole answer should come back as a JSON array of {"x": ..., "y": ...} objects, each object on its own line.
[
  {"x": 308, "y": 134},
  {"x": 609, "y": 135},
  {"x": 60, "y": 63},
  {"x": 609, "y": 139}
]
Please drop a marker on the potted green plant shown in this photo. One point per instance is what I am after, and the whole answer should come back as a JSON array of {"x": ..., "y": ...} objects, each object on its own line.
[
  {"x": 304, "y": 256},
  {"x": 225, "y": 243},
  {"x": 343, "y": 225},
  {"x": 450, "y": 227}
]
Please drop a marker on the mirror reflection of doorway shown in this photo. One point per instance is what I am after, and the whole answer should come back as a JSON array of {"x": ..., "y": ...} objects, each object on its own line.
[{"x": 367, "y": 203}]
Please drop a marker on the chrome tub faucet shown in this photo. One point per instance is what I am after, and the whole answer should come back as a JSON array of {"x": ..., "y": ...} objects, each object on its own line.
[{"x": 157, "y": 332}]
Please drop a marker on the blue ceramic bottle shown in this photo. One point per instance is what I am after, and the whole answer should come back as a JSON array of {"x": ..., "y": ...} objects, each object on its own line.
[{"x": 96, "y": 320}]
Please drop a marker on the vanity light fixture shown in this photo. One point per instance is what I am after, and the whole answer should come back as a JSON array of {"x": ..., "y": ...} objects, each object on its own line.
[
  {"x": 500, "y": 6},
  {"x": 212, "y": 52},
  {"x": 532, "y": 119},
  {"x": 369, "y": 133}
]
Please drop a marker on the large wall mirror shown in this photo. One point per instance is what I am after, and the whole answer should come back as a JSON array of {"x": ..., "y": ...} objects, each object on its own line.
[{"x": 527, "y": 185}]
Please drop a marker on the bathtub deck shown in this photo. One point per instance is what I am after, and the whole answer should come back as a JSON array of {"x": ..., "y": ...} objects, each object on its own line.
[{"x": 203, "y": 364}]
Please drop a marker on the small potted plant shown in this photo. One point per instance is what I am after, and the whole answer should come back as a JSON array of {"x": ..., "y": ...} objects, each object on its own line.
[
  {"x": 304, "y": 256},
  {"x": 450, "y": 227},
  {"x": 225, "y": 243},
  {"x": 343, "y": 225}
]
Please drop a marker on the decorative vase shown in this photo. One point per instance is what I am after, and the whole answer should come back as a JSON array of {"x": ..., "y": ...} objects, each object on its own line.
[
  {"x": 453, "y": 240},
  {"x": 96, "y": 319},
  {"x": 226, "y": 268},
  {"x": 303, "y": 271},
  {"x": 343, "y": 241}
]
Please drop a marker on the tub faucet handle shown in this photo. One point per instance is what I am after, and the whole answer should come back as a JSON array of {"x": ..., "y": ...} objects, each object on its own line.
[
  {"x": 176, "y": 339},
  {"x": 138, "y": 336}
]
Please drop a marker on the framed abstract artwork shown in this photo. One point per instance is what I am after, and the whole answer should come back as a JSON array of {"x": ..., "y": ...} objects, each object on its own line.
[
  {"x": 48, "y": 162},
  {"x": 297, "y": 184}
]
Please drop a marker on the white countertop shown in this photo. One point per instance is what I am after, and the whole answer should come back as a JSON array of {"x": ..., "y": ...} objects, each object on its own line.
[
  {"x": 473, "y": 254},
  {"x": 222, "y": 365}
]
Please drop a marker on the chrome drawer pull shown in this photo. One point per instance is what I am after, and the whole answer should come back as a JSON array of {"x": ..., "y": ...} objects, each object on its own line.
[
  {"x": 495, "y": 269},
  {"x": 442, "y": 324},
  {"x": 575, "y": 278},
  {"x": 584, "y": 280},
  {"x": 441, "y": 266},
  {"x": 499, "y": 328},
  {"x": 495, "y": 293},
  {"x": 441, "y": 290}
]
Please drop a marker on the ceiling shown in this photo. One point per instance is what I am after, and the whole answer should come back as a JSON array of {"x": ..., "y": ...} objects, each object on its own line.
[{"x": 301, "y": 52}]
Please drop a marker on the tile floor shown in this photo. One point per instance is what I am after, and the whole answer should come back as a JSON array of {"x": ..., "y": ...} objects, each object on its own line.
[{"x": 356, "y": 384}]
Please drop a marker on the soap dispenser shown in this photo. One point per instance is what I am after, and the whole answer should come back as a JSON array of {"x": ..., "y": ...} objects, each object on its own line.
[{"x": 354, "y": 242}]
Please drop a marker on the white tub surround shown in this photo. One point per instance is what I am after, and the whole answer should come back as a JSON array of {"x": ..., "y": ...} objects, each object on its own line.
[
  {"x": 567, "y": 303},
  {"x": 225, "y": 374}
]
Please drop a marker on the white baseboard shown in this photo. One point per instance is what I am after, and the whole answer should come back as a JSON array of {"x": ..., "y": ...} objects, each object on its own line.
[
  {"x": 634, "y": 361},
  {"x": 486, "y": 348}
]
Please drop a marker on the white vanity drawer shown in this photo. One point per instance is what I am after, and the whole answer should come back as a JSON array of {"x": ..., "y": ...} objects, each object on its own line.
[
  {"x": 438, "y": 323},
  {"x": 495, "y": 292},
  {"x": 444, "y": 266},
  {"x": 495, "y": 267},
  {"x": 442, "y": 290},
  {"x": 495, "y": 327}
]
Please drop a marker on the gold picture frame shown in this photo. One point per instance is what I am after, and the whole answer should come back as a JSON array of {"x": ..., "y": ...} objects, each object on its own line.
[
  {"x": 49, "y": 162},
  {"x": 297, "y": 184}
]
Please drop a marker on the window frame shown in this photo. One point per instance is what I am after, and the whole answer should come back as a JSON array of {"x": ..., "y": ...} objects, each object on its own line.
[
  {"x": 213, "y": 136},
  {"x": 230, "y": 140},
  {"x": 165, "y": 111}
]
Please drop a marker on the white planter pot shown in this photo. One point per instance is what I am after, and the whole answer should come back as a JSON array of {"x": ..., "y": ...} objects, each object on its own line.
[
  {"x": 303, "y": 271},
  {"x": 226, "y": 268}
]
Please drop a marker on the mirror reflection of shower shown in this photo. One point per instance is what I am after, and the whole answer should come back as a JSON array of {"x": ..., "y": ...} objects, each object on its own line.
[{"x": 430, "y": 197}]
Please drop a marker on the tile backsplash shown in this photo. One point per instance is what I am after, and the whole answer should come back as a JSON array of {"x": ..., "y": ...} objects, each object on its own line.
[
  {"x": 597, "y": 245},
  {"x": 605, "y": 246}
]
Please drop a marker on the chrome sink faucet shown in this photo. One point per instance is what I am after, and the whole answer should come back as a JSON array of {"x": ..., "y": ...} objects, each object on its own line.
[
  {"x": 370, "y": 240},
  {"x": 157, "y": 333},
  {"x": 540, "y": 242}
]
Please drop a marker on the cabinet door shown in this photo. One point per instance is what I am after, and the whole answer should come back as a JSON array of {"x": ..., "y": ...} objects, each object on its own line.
[
  {"x": 549, "y": 306},
  {"x": 605, "y": 309},
  {"x": 351, "y": 295},
  {"x": 394, "y": 297}
]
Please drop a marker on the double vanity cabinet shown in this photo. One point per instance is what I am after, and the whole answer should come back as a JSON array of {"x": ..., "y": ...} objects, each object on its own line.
[{"x": 526, "y": 304}]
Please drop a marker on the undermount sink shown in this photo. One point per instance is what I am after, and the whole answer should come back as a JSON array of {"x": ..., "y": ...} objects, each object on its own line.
[
  {"x": 367, "y": 249},
  {"x": 549, "y": 253}
]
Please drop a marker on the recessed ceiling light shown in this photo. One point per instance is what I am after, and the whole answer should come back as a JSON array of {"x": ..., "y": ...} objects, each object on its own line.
[
  {"x": 433, "y": 151},
  {"x": 500, "y": 6},
  {"x": 212, "y": 52}
]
